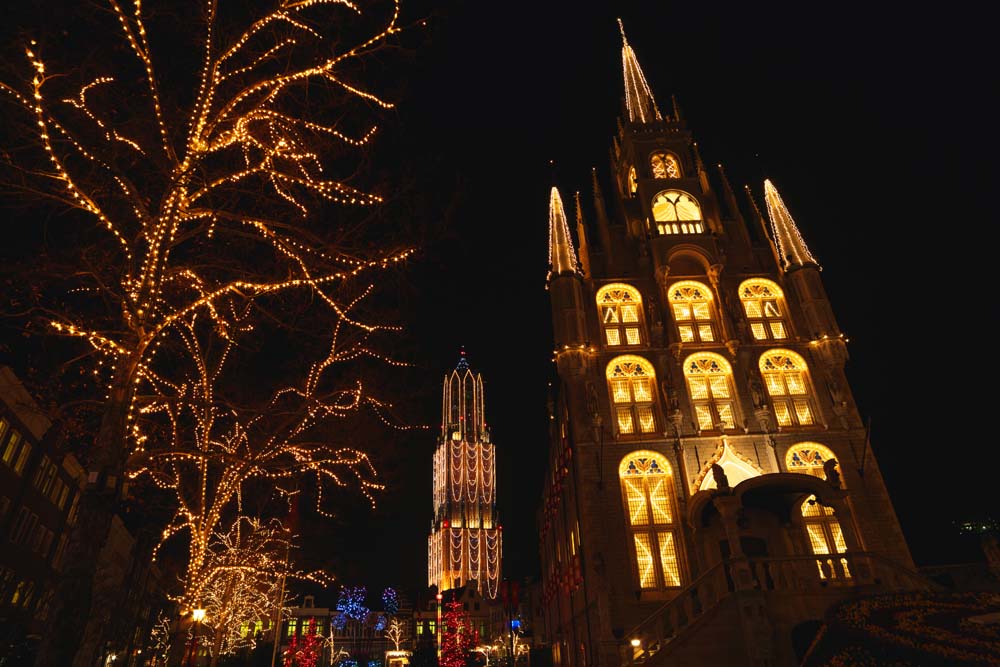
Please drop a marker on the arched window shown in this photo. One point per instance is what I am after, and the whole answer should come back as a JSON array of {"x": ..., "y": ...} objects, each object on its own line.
[
  {"x": 787, "y": 378},
  {"x": 691, "y": 305},
  {"x": 632, "y": 382},
  {"x": 648, "y": 497},
  {"x": 710, "y": 384},
  {"x": 633, "y": 183},
  {"x": 620, "y": 307},
  {"x": 822, "y": 528},
  {"x": 763, "y": 304},
  {"x": 665, "y": 165},
  {"x": 677, "y": 212}
]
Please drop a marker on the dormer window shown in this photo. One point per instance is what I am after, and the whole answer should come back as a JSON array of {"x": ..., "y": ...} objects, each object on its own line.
[
  {"x": 665, "y": 165},
  {"x": 677, "y": 212}
]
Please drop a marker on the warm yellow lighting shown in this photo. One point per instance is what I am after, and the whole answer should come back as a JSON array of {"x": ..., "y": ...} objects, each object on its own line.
[
  {"x": 620, "y": 309},
  {"x": 665, "y": 165},
  {"x": 791, "y": 247},
  {"x": 636, "y": 643},
  {"x": 198, "y": 615},
  {"x": 648, "y": 497},
  {"x": 632, "y": 383},
  {"x": 786, "y": 377},
  {"x": 763, "y": 305},
  {"x": 709, "y": 378},
  {"x": 674, "y": 207},
  {"x": 691, "y": 306}
]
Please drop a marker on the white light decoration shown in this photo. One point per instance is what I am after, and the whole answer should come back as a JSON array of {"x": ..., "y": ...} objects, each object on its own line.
[
  {"x": 791, "y": 246},
  {"x": 638, "y": 97},
  {"x": 562, "y": 255},
  {"x": 465, "y": 541}
]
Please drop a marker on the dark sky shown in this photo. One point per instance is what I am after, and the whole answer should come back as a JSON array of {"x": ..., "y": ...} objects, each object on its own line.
[{"x": 877, "y": 126}]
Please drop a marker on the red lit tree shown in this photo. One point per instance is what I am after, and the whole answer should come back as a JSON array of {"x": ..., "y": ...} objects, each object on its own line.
[
  {"x": 309, "y": 654},
  {"x": 456, "y": 638}
]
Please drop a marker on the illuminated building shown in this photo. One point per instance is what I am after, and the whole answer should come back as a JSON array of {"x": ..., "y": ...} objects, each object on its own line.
[
  {"x": 465, "y": 539},
  {"x": 711, "y": 489}
]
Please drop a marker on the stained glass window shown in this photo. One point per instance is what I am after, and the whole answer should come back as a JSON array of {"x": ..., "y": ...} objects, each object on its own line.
[
  {"x": 677, "y": 212},
  {"x": 665, "y": 165},
  {"x": 620, "y": 308},
  {"x": 710, "y": 385},
  {"x": 763, "y": 305},
  {"x": 786, "y": 377},
  {"x": 691, "y": 306},
  {"x": 648, "y": 496},
  {"x": 822, "y": 528},
  {"x": 632, "y": 383}
]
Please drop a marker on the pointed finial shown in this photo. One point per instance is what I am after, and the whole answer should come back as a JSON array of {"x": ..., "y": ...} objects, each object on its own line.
[
  {"x": 638, "y": 97},
  {"x": 791, "y": 247},
  {"x": 581, "y": 235},
  {"x": 562, "y": 256},
  {"x": 463, "y": 362},
  {"x": 677, "y": 108}
]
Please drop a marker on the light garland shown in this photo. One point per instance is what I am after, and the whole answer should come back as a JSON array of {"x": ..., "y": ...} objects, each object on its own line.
[
  {"x": 639, "y": 100},
  {"x": 792, "y": 248}
]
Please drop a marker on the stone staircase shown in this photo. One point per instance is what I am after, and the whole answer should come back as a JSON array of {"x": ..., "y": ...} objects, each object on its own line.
[{"x": 785, "y": 590}]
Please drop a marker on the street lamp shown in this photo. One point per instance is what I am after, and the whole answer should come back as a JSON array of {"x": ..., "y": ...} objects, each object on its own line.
[{"x": 197, "y": 615}]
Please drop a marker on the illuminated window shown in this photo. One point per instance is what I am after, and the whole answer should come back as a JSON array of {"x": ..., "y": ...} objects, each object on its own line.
[
  {"x": 631, "y": 381},
  {"x": 9, "y": 440},
  {"x": 677, "y": 212},
  {"x": 787, "y": 379},
  {"x": 691, "y": 306},
  {"x": 648, "y": 498},
  {"x": 633, "y": 183},
  {"x": 823, "y": 531},
  {"x": 665, "y": 165},
  {"x": 763, "y": 304},
  {"x": 710, "y": 385},
  {"x": 22, "y": 457},
  {"x": 620, "y": 308}
]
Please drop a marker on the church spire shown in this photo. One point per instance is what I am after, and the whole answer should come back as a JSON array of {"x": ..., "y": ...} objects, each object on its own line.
[
  {"x": 791, "y": 247},
  {"x": 581, "y": 235},
  {"x": 562, "y": 256},
  {"x": 638, "y": 97}
]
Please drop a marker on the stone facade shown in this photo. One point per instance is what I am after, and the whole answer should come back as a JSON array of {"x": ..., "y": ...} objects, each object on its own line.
[{"x": 711, "y": 489}]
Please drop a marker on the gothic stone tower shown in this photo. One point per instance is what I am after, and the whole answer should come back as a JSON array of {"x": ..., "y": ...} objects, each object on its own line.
[
  {"x": 465, "y": 539},
  {"x": 711, "y": 489}
]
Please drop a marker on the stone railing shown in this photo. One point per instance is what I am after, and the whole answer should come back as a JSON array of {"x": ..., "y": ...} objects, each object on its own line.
[{"x": 790, "y": 574}]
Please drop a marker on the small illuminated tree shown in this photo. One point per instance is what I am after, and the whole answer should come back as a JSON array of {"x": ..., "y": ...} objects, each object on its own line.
[
  {"x": 457, "y": 636},
  {"x": 396, "y": 633},
  {"x": 203, "y": 187}
]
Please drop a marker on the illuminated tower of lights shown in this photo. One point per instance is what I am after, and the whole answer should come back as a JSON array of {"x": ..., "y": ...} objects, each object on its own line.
[{"x": 465, "y": 539}]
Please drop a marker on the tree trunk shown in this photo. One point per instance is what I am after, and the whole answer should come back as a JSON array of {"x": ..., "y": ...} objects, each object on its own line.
[{"x": 74, "y": 590}]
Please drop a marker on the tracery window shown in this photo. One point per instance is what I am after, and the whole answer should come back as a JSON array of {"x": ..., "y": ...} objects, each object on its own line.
[
  {"x": 648, "y": 497},
  {"x": 822, "y": 528},
  {"x": 710, "y": 385},
  {"x": 620, "y": 308},
  {"x": 633, "y": 182},
  {"x": 763, "y": 305},
  {"x": 691, "y": 305},
  {"x": 787, "y": 379},
  {"x": 665, "y": 165},
  {"x": 677, "y": 212},
  {"x": 632, "y": 382}
]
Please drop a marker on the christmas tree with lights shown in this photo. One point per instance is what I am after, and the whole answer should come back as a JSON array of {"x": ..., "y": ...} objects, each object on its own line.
[{"x": 456, "y": 637}]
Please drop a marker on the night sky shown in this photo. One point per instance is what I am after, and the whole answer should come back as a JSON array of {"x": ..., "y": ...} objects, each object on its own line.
[{"x": 876, "y": 125}]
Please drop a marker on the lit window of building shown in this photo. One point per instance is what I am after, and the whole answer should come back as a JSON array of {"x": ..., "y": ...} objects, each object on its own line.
[
  {"x": 620, "y": 308},
  {"x": 763, "y": 305},
  {"x": 632, "y": 383},
  {"x": 786, "y": 377},
  {"x": 665, "y": 165},
  {"x": 691, "y": 306},
  {"x": 822, "y": 528},
  {"x": 677, "y": 212},
  {"x": 648, "y": 498},
  {"x": 710, "y": 385}
]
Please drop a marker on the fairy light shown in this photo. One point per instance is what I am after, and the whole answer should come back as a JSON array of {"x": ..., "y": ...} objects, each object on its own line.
[
  {"x": 791, "y": 247},
  {"x": 639, "y": 100},
  {"x": 562, "y": 256},
  {"x": 466, "y": 541}
]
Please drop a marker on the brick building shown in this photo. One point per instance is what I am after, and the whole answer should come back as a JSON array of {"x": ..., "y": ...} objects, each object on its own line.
[{"x": 711, "y": 489}]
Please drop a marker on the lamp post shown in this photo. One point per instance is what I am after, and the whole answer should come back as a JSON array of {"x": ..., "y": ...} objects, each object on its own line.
[{"x": 197, "y": 615}]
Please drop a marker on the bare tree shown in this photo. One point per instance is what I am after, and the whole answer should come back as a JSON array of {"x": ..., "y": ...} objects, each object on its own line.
[{"x": 207, "y": 195}]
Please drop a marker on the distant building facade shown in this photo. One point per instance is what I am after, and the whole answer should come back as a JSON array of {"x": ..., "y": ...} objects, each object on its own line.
[
  {"x": 465, "y": 542},
  {"x": 711, "y": 489}
]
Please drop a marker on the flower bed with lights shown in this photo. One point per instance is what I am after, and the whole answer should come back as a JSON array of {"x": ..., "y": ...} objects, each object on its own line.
[{"x": 910, "y": 630}]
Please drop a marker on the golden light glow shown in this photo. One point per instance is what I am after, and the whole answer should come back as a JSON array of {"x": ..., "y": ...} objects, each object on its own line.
[
  {"x": 710, "y": 385},
  {"x": 665, "y": 165},
  {"x": 620, "y": 309},
  {"x": 632, "y": 383},
  {"x": 791, "y": 247},
  {"x": 562, "y": 254},
  {"x": 822, "y": 528},
  {"x": 786, "y": 377},
  {"x": 763, "y": 305},
  {"x": 691, "y": 306},
  {"x": 677, "y": 212},
  {"x": 639, "y": 100},
  {"x": 647, "y": 489}
]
